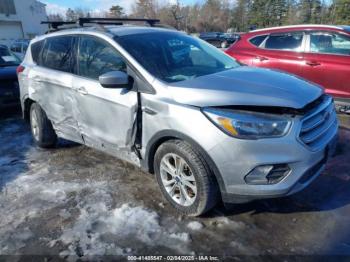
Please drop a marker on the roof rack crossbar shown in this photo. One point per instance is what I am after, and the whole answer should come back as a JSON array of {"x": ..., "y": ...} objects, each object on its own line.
[
  {"x": 88, "y": 20},
  {"x": 56, "y": 24},
  {"x": 100, "y": 22}
]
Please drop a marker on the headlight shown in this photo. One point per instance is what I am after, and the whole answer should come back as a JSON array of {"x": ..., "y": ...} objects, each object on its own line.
[{"x": 248, "y": 125}]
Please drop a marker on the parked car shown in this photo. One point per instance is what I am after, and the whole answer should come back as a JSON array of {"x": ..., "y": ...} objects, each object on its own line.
[
  {"x": 19, "y": 47},
  {"x": 320, "y": 54},
  {"x": 220, "y": 40},
  {"x": 9, "y": 90},
  {"x": 207, "y": 127}
]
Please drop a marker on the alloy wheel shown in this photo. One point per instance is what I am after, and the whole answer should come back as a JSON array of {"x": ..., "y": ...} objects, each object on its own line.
[{"x": 178, "y": 179}]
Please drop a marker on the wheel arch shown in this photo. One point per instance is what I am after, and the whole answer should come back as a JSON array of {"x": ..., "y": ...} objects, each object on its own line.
[
  {"x": 27, "y": 103},
  {"x": 163, "y": 136}
]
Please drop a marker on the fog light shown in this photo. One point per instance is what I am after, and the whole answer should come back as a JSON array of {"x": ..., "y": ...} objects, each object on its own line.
[{"x": 267, "y": 174}]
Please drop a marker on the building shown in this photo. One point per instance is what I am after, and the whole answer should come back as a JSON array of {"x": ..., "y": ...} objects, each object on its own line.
[{"x": 20, "y": 19}]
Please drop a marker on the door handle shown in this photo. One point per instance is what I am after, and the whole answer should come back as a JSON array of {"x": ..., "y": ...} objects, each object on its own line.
[
  {"x": 82, "y": 90},
  {"x": 313, "y": 63},
  {"x": 261, "y": 58}
]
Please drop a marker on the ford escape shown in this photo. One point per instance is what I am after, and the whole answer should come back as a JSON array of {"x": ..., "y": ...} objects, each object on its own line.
[{"x": 208, "y": 127}]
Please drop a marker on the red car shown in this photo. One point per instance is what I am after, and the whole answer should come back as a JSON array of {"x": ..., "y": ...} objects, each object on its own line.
[{"x": 318, "y": 53}]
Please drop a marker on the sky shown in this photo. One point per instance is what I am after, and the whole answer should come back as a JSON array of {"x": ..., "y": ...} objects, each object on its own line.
[{"x": 60, "y": 6}]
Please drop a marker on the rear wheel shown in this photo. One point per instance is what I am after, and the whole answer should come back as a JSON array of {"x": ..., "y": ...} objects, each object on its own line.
[
  {"x": 43, "y": 133},
  {"x": 185, "y": 179}
]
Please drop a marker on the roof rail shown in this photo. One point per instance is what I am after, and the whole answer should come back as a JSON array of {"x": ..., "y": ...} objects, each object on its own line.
[{"x": 113, "y": 21}]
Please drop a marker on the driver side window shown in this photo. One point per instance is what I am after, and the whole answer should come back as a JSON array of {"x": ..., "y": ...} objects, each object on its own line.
[{"x": 97, "y": 57}]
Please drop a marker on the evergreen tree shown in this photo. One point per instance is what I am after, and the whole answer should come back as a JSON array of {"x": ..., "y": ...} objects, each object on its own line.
[
  {"x": 116, "y": 11},
  {"x": 292, "y": 15},
  {"x": 341, "y": 12},
  {"x": 239, "y": 18}
]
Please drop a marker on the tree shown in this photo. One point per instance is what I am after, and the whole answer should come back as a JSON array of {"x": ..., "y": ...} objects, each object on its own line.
[
  {"x": 239, "y": 19},
  {"x": 341, "y": 12},
  {"x": 264, "y": 13},
  {"x": 116, "y": 11},
  {"x": 55, "y": 17},
  {"x": 175, "y": 11},
  {"x": 214, "y": 16},
  {"x": 258, "y": 14},
  {"x": 220, "y": 15},
  {"x": 145, "y": 9},
  {"x": 71, "y": 15},
  {"x": 292, "y": 14}
]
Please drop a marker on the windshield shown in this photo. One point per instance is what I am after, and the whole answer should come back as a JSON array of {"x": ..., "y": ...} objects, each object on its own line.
[
  {"x": 7, "y": 58},
  {"x": 173, "y": 57}
]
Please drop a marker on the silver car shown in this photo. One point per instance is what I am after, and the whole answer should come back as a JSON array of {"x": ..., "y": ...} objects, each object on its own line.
[{"x": 209, "y": 128}]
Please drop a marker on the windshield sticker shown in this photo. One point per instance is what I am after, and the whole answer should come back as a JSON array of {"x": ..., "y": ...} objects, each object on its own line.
[{"x": 8, "y": 58}]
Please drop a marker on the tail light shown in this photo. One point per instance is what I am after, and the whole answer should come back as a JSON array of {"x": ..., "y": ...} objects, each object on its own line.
[{"x": 20, "y": 69}]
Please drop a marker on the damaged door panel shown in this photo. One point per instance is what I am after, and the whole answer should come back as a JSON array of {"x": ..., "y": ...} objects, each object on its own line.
[
  {"x": 106, "y": 117},
  {"x": 54, "y": 92}
]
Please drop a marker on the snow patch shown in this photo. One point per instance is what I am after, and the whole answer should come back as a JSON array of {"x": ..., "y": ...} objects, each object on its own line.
[
  {"x": 195, "y": 225},
  {"x": 91, "y": 225},
  {"x": 128, "y": 225}
]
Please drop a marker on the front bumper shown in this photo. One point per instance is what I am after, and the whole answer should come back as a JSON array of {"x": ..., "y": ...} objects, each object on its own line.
[
  {"x": 236, "y": 158},
  {"x": 285, "y": 188},
  {"x": 304, "y": 169}
]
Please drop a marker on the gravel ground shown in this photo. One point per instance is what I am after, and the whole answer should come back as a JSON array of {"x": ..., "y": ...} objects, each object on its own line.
[{"x": 76, "y": 202}]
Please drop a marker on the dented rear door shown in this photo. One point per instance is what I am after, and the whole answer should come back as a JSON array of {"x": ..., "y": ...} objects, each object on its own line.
[{"x": 50, "y": 84}]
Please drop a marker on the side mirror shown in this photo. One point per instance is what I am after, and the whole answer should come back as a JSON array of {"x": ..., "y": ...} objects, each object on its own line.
[{"x": 114, "y": 79}]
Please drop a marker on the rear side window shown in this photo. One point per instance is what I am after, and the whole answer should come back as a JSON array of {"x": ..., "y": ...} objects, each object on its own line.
[
  {"x": 36, "y": 50},
  {"x": 287, "y": 41},
  {"x": 257, "y": 41},
  {"x": 97, "y": 57},
  {"x": 57, "y": 53},
  {"x": 329, "y": 43}
]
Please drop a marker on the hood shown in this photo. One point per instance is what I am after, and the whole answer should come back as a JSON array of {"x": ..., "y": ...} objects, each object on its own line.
[
  {"x": 8, "y": 73},
  {"x": 246, "y": 86}
]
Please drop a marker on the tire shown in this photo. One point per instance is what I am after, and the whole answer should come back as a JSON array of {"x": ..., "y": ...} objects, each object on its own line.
[
  {"x": 194, "y": 170},
  {"x": 42, "y": 131}
]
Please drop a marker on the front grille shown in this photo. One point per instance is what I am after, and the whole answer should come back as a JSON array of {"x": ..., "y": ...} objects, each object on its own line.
[{"x": 319, "y": 125}]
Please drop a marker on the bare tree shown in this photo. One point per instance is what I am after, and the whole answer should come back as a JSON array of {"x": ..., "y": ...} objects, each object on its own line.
[
  {"x": 145, "y": 9},
  {"x": 55, "y": 17}
]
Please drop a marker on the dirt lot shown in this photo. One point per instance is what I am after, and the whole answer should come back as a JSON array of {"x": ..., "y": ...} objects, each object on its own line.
[{"x": 76, "y": 201}]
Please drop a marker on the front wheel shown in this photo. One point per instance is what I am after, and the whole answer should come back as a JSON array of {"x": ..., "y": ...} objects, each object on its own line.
[
  {"x": 43, "y": 133},
  {"x": 185, "y": 179}
]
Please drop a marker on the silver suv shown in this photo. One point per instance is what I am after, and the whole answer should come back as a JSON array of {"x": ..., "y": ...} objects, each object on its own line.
[{"x": 208, "y": 127}]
